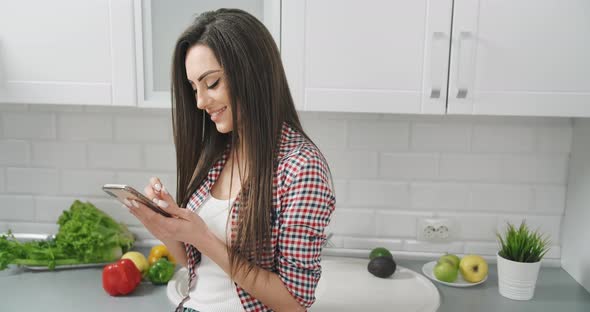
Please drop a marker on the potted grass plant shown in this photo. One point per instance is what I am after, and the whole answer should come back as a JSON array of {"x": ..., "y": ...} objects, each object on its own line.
[{"x": 519, "y": 261}]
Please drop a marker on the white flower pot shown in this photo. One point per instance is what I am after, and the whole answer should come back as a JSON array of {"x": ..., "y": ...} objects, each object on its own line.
[{"x": 517, "y": 280}]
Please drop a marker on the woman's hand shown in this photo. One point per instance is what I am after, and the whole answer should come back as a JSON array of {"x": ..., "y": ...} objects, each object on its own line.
[{"x": 184, "y": 226}]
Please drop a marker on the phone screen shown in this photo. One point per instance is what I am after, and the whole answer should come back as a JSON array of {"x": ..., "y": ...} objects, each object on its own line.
[{"x": 122, "y": 192}]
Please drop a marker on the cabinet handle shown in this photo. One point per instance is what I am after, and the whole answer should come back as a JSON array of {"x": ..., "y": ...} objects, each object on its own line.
[
  {"x": 462, "y": 93},
  {"x": 464, "y": 60},
  {"x": 434, "y": 93},
  {"x": 437, "y": 70}
]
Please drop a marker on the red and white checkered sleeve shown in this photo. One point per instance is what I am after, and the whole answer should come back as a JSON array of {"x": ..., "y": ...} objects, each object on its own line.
[{"x": 307, "y": 203}]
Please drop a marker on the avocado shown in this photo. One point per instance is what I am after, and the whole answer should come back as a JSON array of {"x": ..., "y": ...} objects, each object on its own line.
[{"x": 382, "y": 266}]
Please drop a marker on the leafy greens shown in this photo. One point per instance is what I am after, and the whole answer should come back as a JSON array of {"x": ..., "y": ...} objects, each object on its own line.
[{"x": 86, "y": 235}]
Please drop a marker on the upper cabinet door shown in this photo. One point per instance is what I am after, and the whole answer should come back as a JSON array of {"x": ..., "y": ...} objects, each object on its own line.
[
  {"x": 158, "y": 24},
  {"x": 367, "y": 56},
  {"x": 67, "y": 52},
  {"x": 523, "y": 57}
]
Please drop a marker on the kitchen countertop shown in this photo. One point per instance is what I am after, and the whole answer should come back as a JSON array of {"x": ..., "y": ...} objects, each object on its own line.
[{"x": 72, "y": 290}]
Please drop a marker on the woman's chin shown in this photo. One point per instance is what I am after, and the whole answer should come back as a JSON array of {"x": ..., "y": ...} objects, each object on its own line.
[{"x": 223, "y": 127}]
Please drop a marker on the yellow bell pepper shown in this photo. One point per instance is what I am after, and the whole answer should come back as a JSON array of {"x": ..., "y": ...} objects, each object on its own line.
[{"x": 160, "y": 251}]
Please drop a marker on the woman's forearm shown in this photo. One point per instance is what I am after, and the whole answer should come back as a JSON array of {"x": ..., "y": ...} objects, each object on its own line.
[
  {"x": 177, "y": 250},
  {"x": 267, "y": 287}
]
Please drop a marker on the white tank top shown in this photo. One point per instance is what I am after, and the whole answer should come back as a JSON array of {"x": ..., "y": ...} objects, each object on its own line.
[{"x": 214, "y": 291}]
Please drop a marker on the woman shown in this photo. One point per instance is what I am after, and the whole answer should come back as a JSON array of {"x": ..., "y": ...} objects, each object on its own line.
[{"x": 257, "y": 190}]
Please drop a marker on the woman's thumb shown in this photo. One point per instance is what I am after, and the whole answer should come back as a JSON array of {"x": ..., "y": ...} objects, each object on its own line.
[
  {"x": 163, "y": 199},
  {"x": 166, "y": 196}
]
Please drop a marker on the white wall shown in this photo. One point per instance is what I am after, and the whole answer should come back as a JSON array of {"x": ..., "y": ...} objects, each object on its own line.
[
  {"x": 390, "y": 170},
  {"x": 576, "y": 249}
]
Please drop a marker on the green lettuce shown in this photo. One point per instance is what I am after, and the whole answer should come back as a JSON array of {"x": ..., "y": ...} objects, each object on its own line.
[{"x": 86, "y": 235}]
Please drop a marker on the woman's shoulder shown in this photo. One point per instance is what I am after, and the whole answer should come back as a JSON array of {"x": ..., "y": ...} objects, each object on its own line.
[
  {"x": 294, "y": 143},
  {"x": 303, "y": 166},
  {"x": 296, "y": 150}
]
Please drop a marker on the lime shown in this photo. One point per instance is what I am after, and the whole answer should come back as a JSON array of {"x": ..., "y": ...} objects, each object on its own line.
[{"x": 380, "y": 252}]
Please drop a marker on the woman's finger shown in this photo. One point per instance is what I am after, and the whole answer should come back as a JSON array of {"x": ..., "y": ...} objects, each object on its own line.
[
  {"x": 149, "y": 192},
  {"x": 159, "y": 190},
  {"x": 142, "y": 211},
  {"x": 133, "y": 211},
  {"x": 156, "y": 185},
  {"x": 157, "y": 225},
  {"x": 182, "y": 213},
  {"x": 166, "y": 196}
]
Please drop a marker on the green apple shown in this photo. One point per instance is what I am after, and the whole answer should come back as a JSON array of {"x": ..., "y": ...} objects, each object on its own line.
[
  {"x": 446, "y": 272},
  {"x": 473, "y": 268},
  {"x": 453, "y": 259}
]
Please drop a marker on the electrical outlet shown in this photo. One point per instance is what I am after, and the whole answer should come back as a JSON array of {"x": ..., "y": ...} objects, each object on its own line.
[
  {"x": 436, "y": 229},
  {"x": 430, "y": 232},
  {"x": 443, "y": 232}
]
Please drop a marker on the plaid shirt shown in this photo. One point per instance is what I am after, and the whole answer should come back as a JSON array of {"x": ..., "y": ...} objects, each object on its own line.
[{"x": 303, "y": 203}]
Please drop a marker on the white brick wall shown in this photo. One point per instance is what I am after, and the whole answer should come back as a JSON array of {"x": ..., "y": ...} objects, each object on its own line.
[
  {"x": 28, "y": 125},
  {"x": 115, "y": 155},
  {"x": 32, "y": 181},
  {"x": 397, "y": 224},
  {"x": 160, "y": 156},
  {"x": 378, "y": 193},
  {"x": 549, "y": 198},
  {"x": 380, "y": 136},
  {"x": 440, "y": 137},
  {"x": 352, "y": 164},
  {"x": 143, "y": 129},
  {"x": 354, "y": 221},
  {"x": 389, "y": 170},
  {"x": 501, "y": 197},
  {"x": 370, "y": 243},
  {"x": 17, "y": 208},
  {"x": 470, "y": 167},
  {"x": 408, "y": 166},
  {"x": 505, "y": 139},
  {"x": 49, "y": 208},
  {"x": 85, "y": 182},
  {"x": 59, "y": 154},
  {"x": 14, "y": 153},
  {"x": 2, "y": 180},
  {"x": 439, "y": 196},
  {"x": 83, "y": 127},
  {"x": 329, "y": 133}
]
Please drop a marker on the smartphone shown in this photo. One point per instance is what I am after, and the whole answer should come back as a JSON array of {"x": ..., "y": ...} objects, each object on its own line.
[{"x": 122, "y": 192}]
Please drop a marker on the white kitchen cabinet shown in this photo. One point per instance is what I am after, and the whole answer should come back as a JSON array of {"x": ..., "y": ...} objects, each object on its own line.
[
  {"x": 506, "y": 58},
  {"x": 67, "y": 52},
  {"x": 367, "y": 56},
  {"x": 525, "y": 57},
  {"x": 158, "y": 24}
]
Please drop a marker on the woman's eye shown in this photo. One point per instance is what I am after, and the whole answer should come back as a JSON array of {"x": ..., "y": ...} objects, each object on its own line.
[{"x": 214, "y": 84}]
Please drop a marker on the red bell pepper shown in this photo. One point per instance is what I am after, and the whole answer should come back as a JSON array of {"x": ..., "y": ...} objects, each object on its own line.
[{"x": 120, "y": 278}]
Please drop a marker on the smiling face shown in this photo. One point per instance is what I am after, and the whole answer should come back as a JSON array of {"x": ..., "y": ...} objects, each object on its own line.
[{"x": 211, "y": 90}]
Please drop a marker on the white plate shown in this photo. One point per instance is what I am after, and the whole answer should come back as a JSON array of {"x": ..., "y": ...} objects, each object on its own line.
[{"x": 428, "y": 270}]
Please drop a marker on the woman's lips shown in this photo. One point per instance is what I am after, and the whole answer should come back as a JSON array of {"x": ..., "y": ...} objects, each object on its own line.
[{"x": 217, "y": 114}]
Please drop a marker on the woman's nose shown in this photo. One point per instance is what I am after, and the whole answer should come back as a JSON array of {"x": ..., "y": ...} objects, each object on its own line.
[{"x": 203, "y": 100}]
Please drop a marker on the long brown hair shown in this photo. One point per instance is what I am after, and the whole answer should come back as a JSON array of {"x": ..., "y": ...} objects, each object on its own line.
[{"x": 260, "y": 96}]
